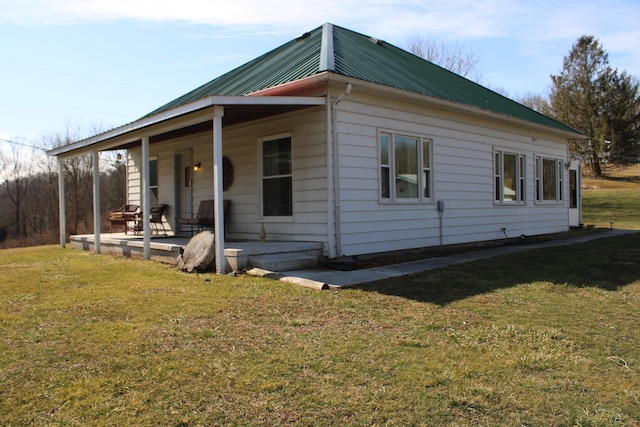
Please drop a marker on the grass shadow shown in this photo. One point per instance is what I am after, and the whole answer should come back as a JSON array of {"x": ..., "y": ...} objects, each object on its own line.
[{"x": 608, "y": 263}]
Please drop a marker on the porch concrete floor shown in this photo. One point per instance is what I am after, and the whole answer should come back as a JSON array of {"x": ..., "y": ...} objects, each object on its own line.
[{"x": 166, "y": 249}]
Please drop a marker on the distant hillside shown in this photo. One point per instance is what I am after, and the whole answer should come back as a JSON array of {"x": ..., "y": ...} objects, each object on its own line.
[{"x": 616, "y": 178}]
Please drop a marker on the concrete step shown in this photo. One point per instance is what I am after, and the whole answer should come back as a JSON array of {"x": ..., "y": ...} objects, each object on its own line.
[{"x": 283, "y": 261}]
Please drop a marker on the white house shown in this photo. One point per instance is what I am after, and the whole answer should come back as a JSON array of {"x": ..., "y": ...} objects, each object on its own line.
[{"x": 346, "y": 140}]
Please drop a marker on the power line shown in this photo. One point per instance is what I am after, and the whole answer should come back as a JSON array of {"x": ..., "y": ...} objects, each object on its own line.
[
  {"x": 66, "y": 107},
  {"x": 51, "y": 70},
  {"x": 22, "y": 144}
]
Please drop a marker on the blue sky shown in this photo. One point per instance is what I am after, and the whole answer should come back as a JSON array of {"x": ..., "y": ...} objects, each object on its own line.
[{"x": 86, "y": 66}]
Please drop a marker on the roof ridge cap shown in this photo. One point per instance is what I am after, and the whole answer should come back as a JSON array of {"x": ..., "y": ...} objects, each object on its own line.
[{"x": 327, "y": 55}]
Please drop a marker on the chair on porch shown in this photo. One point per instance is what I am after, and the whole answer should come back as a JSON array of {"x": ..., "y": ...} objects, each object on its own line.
[
  {"x": 204, "y": 218},
  {"x": 123, "y": 216},
  {"x": 155, "y": 219}
]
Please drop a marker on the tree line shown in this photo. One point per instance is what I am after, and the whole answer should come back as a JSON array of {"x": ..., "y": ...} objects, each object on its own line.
[
  {"x": 29, "y": 213},
  {"x": 587, "y": 94}
]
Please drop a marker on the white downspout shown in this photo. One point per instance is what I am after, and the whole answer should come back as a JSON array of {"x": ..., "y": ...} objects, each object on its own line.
[
  {"x": 331, "y": 229},
  {"x": 96, "y": 201},
  {"x": 336, "y": 168},
  {"x": 61, "y": 204}
]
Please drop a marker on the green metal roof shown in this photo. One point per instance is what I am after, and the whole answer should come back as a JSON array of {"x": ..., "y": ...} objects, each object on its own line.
[
  {"x": 292, "y": 61},
  {"x": 345, "y": 52}
]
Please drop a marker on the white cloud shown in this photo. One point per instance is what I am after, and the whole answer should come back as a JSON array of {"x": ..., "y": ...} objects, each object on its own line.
[
  {"x": 533, "y": 24},
  {"x": 463, "y": 18},
  {"x": 458, "y": 19}
]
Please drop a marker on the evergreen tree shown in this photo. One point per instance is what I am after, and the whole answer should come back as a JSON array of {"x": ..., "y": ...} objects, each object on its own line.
[
  {"x": 622, "y": 118},
  {"x": 598, "y": 101}
]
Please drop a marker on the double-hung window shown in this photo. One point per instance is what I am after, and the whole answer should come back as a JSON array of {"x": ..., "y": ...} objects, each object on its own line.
[
  {"x": 277, "y": 177},
  {"x": 406, "y": 171},
  {"x": 549, "y": 179},
  {"x": 509, "y": 171},
  {"x": 153, "y": 180}
]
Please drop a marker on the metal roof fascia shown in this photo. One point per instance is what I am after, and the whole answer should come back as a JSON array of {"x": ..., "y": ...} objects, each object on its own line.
[
  {"x": 296, "y": 84},
  {"x": 267, "y": 100},
  {"x": 183, "y": 110}
]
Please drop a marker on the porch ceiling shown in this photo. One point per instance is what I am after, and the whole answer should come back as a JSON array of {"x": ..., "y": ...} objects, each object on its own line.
[
  {"x": 233, "y": 115},
  {"x": 189, "y": 119}
]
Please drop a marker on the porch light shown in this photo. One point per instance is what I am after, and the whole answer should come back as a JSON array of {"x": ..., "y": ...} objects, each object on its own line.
[{"x": 197, "y": 166}]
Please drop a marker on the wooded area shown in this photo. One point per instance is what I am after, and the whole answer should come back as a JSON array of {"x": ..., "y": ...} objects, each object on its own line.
[{"x": 29, "y": 213}]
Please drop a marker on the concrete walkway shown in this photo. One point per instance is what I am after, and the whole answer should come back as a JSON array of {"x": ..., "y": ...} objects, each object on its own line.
[{"x": 322, "y": 278}]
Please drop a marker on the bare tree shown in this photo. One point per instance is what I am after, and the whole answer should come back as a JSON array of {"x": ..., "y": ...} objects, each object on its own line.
[
  {"x": 450, "y": 55},
  {"x": 16, "y": 172},
  {"x": 536, "y": 102},
  {"x": 113, "y": 179},
  {"x": 29, "y": 190},
  {"x": 78, "y": 182}
]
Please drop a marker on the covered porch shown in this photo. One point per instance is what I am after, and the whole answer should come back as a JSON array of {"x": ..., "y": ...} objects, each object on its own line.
[
  {"x": 238, "y": 255},
  {"x": 202, "y": 115}
]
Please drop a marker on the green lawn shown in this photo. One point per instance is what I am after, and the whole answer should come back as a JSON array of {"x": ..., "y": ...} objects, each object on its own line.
[
  {"x": 549, "y": 337},
  {"x": 613, "y": 199},
  {"x": 544, "y": 338},
  {"x": 604, "y": 206}
]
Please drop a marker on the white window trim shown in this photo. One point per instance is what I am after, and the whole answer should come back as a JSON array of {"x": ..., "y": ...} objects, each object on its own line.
[
  {"x": 392, "y": 199},
  {"x": 539, "y": 180},
  {"x": 521, "y": 174},
  {"x": 260, "y": 169}
]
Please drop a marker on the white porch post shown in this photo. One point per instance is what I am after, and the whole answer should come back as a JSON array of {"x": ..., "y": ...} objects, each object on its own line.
[
  {"x": 61, "y": 204},
  {"x": 146, "y": 200},
  {"x": 218, "y": 196},
  {"x": 96, "y": 201}
]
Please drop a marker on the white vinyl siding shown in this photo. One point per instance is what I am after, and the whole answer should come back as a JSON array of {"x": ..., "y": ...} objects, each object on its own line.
[
  {"x": 463, "y": 177},
  {"x": 308, "y": 220}
]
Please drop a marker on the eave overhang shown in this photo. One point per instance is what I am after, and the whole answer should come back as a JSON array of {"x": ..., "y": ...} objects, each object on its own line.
[{"x": 450, "y": 106}]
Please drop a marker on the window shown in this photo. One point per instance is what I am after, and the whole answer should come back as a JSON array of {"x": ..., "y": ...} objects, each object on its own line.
[
  {"x": 405, "y": 167},
  {"x": 277, "y": 194},
  {"x": 509, "y": 170},
  {"x": 153, "y": 180},
  {"x": 549, "y": 179}
]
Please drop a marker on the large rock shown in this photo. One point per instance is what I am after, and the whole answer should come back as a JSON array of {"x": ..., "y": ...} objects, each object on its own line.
[{"x": 199, "y": 253}]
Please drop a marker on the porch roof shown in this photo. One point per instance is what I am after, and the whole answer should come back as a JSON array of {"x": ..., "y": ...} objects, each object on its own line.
[{"x": 188, "y": 118}]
